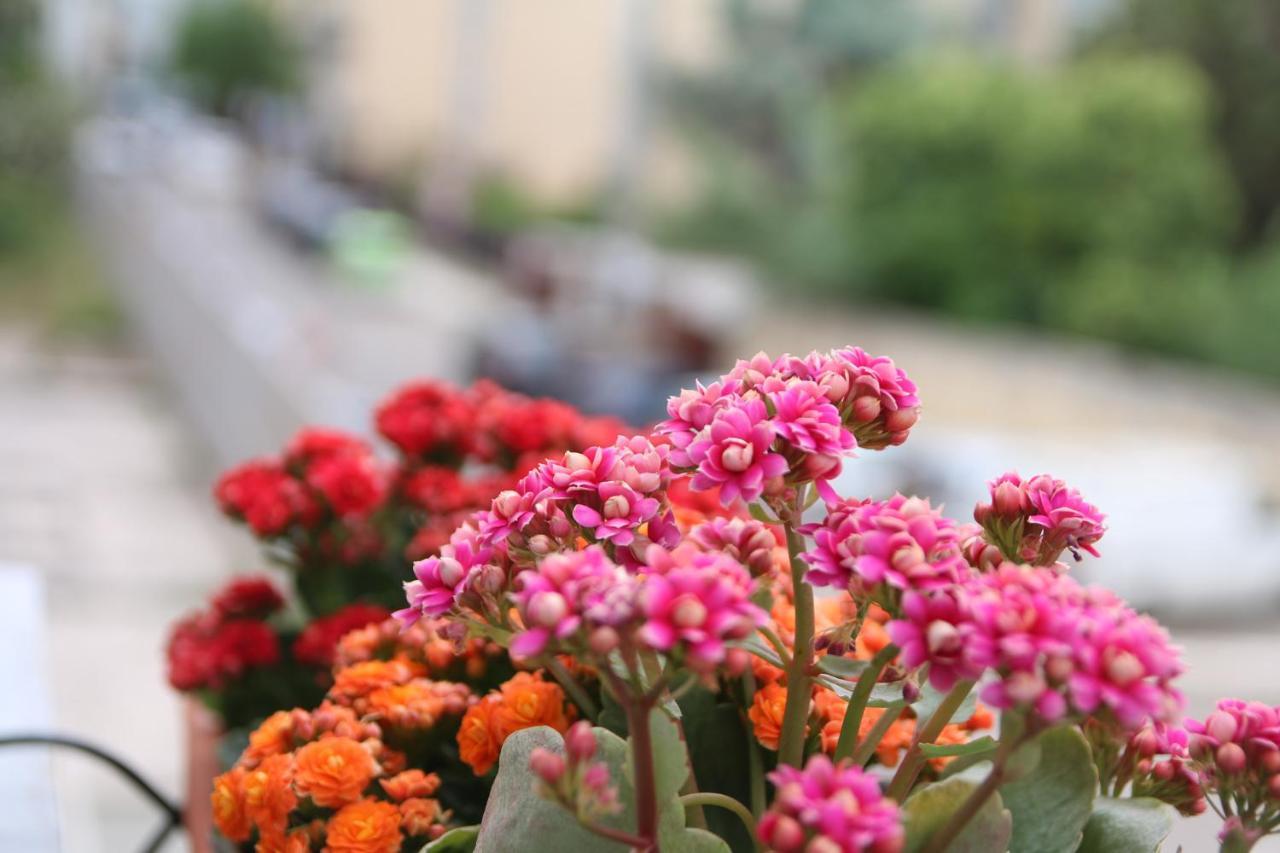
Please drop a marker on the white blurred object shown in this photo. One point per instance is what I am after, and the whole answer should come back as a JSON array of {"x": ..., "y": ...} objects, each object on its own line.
[{"x": 206, "y": 161}]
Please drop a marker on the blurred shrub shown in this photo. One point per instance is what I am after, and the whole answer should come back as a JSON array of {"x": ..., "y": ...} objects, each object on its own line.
[
  {"x": 228, "y": 49},
  {"x": 1236, "y": 45},
  {"x": 983, "y": 191}
]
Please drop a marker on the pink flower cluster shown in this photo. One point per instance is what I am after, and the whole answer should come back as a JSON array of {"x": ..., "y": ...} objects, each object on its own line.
[
  {"x": 684, "y": 602},
  {"x": 787, "y": 420},
  {"x": 830, "y": 807},
  {"x": 1036, "y": 520},
  {"x": 1055, "y": 647},
  {"x": 874, "y": 548},
  {"x": 1163, "y": 769},
  {"x": 1239, "y": 746},
  {"x": 440, "y": 582},
  {"x": 614, "y": 495}
]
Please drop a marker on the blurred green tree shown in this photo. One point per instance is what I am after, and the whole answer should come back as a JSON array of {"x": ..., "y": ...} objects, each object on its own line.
[
  {"x": 225, "y": 50},
  {"x": 1236, "y": 44},
  {"x": 981, "y": 190}
]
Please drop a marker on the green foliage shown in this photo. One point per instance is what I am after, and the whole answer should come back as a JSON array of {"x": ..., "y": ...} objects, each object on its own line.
[
  {"x": 227, "y": 49},
  {"x": 978, "y": 190},
  {"x": 1051, "y": 804},
  {"x": 460, "y": 840},
  {"x": 929, "y": 808},
  {"x": 718, "y": 741},
  {"x": 1137, "y": 825},
  {"x": 1233, "y": 43},
  {"x": 516, "y": 813}
]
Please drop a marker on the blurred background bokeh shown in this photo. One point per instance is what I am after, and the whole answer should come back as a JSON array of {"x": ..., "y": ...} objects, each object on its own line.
[{"x": 221, "y": 219}]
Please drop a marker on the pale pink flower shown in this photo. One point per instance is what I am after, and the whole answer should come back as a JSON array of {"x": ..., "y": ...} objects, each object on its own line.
[
  {"x": 735, "y": 453},
  {"x": 881, "y": 401},
  {"x": 830, "y": 807}
]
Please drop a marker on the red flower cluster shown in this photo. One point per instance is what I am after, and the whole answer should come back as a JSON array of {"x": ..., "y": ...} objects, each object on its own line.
[
  {"x": 323, "y": 474},
  {"x": 318, "y": 641},
  {"x": 210, "y": 648},
  {"x": 433, "y": 422}
]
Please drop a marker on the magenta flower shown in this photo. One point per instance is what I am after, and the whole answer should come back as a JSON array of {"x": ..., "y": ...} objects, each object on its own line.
[
  {"x": 1066, "y": 519},
  {"x": 696, "y": 601},
  {"x": 615, "y": 513},
  {"x": 691, "y": 411},
  {"x": 735, "y": 453},
  {"x": 828, "y": 807},
  {"x": 440, "y": 581},
  {"x": 812, "y": 430},
  {"x": 933, "y": 630},
  {"x": 1124, "y": 662},
  {"x": 902, "y": 543},
  {"x": 881, "y": 401},
  {"x": 569, "y": 593},
  {"x": 1037, "y": 519},
  {"x": 1237, "y": 751}
]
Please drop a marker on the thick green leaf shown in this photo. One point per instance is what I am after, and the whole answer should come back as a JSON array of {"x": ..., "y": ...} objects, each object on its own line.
[
  {"x": 1137, "y": 825},
  {"x": 842, "y": 667},
  {"x": 717, "y": 740},
  {"x": 459, "y": 840},
  {"x": 980, "y": 746},
  {"x": 1051, "y": 803},
  {"x": 928, "y": 809},
  {"x": 931, "y": 698},
  {"x": 762, "y": 650},
  {"x": 516, "y": 812}
]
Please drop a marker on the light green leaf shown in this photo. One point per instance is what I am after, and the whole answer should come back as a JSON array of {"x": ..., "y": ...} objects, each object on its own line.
[
  {"x": 762, "y": 650},
  {"x": 881, "y": 695},
  {"x": 929, "y": 808},
  {"x": 459, "y": 840},
  {"x": 1137, "y": 825},
  {"x": 980, "y": 746},
  {"x": 842, "y": 667},
  {"x": 516, "y": 812},
  {"x": 1051, "y": 803},
  {"x": 931, "y": 698}
]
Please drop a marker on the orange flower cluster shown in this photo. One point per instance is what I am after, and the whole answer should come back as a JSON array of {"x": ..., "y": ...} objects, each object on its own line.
[
  {"x": 524, "y": 701},
  {"x": 420, "y": 644},
  {"x": 300, "y": 762}
]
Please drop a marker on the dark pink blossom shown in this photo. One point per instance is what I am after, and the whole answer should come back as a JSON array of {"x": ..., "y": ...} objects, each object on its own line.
[
  {"x": 830, "y": 807},
  {"x": 735, "y": 453}
]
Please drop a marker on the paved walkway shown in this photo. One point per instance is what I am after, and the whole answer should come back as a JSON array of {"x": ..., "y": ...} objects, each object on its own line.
[{"x": 102, "y": 491}]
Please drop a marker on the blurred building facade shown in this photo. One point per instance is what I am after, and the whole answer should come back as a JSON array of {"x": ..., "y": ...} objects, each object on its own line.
[{"x": 555, "y": 97}]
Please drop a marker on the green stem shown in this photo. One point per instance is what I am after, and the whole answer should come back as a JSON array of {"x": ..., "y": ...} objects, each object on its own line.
[
  {"x": 575, "y": 690},
  {"x": 863, "y": 753},
  {"x": 906, "y": 776},
  {"x": 725, "y": 802},
  {"x": 755, "y": 762},
  {"x": 795, "y": 714},
  {"x": 778, "y": 646},
  {"x": 858, "y": 701}
]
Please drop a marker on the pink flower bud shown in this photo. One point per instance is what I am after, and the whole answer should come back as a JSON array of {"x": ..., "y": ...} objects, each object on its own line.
[
  {"x": 1008, "y": 500},
  {"x": 1146, "y": 742},
  {"x": 910, "y": 691},
  {"x": 579, "y": 742},
  {"x": 547, "y": 609},
  {"x": 1163, "y": 771},
  {"x": 506, "y": 503},
  {"x": 866, "y": 409},
  {"x": 603, "y": 640},
  {"x": 1269, "y": 761},
  {"x": 784, "y": 835},
  {"x": 617, "y": 507},
  {"x": 451, "y": 572},
  {"x": 688, "y": 612},
  {"x": 541, "y": 544},
  {"x": 1220, "y": 726},
  {"x": 736, "y": 662},
  {"x": 546, "y": 765},
  {"x": 902, "y": 420},
  {"x": 596, "y": 778},
  {"x": 1273, "y": 787},
  {"x": 1230, "y": 758}
]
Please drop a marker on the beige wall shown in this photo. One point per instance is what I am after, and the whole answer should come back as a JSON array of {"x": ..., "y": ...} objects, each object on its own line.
[{"x": 550, "y": 85}]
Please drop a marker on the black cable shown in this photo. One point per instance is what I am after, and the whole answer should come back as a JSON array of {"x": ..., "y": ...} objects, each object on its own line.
[{"x": 173, "y": 812}]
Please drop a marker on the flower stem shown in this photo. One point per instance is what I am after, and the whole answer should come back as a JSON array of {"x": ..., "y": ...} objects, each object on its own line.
[
  {"x": 575, "y": 690},
  {"x": 725, "y": 802},
  {"x": 796, "y": 712},
  {"x": 645, "y": 776},
  {"x": 863, "y": 753},
  {"x": 906, "y": 776},
  {"x": 858, "y": 701}
]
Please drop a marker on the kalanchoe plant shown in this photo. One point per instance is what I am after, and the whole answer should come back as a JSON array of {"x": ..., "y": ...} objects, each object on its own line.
[{"x": 661, "y": 588}]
